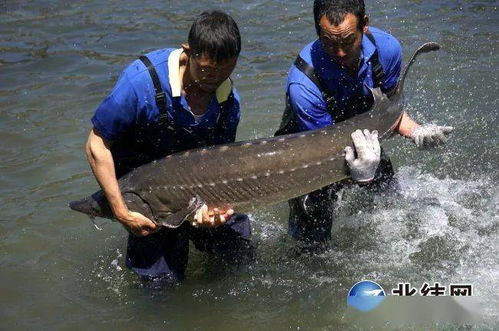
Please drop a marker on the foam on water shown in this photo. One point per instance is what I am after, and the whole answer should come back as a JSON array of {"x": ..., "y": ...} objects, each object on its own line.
[
  {"x": 434, "y": 230},
  {"x": 62, "y": 58}
]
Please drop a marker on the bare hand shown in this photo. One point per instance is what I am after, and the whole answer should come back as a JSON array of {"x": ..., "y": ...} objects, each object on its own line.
[
  {"x": 138, "y": 224},
  {"x": 211, "y": 218}
]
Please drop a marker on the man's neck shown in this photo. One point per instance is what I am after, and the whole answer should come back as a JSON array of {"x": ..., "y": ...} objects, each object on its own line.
[{"x": 197, "y": 99}]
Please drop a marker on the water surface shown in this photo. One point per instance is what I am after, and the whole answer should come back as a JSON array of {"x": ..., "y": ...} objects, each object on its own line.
[{"x": 59, "y": 59}]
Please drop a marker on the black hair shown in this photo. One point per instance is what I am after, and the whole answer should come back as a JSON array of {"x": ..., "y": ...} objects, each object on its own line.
[
  {"x": 335, "y": 11},
  {"x": 214, "y": 34}
]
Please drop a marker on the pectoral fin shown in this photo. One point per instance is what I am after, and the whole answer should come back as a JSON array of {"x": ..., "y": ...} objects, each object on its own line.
[{"x": 174, "y": 220}]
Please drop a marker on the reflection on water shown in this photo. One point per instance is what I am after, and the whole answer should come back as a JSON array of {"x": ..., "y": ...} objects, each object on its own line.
[{"x": 59, "y": 59}]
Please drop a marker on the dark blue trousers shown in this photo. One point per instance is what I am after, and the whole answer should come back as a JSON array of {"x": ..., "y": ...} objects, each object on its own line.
[{"x": 164, "y": 254}]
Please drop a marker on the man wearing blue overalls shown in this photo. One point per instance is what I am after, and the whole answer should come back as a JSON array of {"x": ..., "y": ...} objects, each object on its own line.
[
  {"x": 168, "y": 101},
  {"x": 328, "y": 83}
]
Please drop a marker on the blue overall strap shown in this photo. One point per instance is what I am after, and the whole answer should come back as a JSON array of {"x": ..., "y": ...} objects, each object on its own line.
[{"x": 160, "y": 95}]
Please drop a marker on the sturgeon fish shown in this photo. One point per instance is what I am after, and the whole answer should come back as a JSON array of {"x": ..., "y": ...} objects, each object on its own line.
[{"x": 249, "y": 174}]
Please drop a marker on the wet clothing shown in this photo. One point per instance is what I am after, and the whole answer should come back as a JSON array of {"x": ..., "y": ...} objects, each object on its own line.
[
  {"x": 147, "y": 117},
  {"x": 311, "y": 215},
  {"x": 306, "y": 99},
  {"x": 131, "y": 117},
  {"x": 320, "y": 93},
  {"x": 165, "y": 254}
]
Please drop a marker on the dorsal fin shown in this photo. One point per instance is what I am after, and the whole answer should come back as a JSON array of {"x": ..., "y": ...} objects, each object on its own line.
[{"x": 425, "y": 48}]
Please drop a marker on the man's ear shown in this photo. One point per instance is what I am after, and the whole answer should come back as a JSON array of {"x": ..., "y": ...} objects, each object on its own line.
[
  {"x": 366, "y": 24},
  {"x": 186, "y": 49}
]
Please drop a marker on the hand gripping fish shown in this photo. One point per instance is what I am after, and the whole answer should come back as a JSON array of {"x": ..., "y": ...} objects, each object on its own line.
[{"x": 249, "y": 174}]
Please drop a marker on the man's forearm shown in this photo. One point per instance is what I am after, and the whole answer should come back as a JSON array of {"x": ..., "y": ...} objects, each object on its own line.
[
  {"x": 102, "y": 165},
  {"x": 406, "y": 125}
]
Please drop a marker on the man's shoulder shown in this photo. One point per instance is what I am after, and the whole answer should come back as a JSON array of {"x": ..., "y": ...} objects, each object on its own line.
[
  {"x": 159, "y": 56},
  {"x": 388, "y": 46},
  {"x": 295, "y": 75},
  {"x": 307, "y": 52},
  {"x": 136, "y": 71}
]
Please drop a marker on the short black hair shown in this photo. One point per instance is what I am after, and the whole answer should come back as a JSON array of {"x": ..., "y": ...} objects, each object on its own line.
[
  {"x": 335, "y": 11},
  {"x": 214, "y": 34}
]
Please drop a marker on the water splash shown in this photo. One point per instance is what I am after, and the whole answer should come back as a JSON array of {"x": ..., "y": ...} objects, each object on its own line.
[{"x": 92, "y": 219}]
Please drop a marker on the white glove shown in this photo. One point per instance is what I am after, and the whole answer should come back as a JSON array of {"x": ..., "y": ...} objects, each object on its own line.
[
  {"x": 430, "y": 135},
  {"x": 363, "y": 168}
]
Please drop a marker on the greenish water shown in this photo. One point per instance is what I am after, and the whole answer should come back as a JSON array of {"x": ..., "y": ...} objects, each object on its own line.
[{"x": 58, "y": 60}]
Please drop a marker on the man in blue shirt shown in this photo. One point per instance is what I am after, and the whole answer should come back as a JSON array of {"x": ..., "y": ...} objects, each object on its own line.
[
  {"x": 328, "y": 83},
  {"x": 168, "y": 101}
]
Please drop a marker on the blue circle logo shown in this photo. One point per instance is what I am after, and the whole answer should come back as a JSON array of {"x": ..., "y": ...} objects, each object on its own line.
[{"x": 365, "y": 295}]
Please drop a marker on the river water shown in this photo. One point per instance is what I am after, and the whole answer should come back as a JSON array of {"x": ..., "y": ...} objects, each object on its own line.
[{"x": 59, "y": 59}]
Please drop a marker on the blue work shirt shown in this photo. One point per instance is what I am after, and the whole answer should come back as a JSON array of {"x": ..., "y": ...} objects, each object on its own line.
[
  {"x": 129, "y": 115},
  {"x": 305, "y": 98}
]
